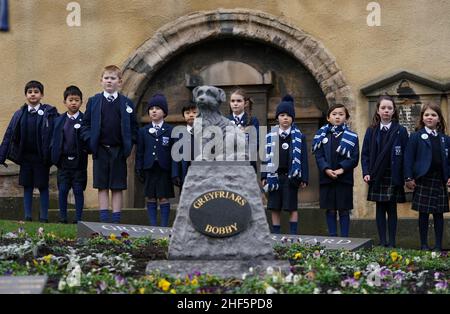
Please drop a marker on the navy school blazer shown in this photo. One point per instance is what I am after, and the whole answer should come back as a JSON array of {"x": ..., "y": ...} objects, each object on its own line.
[
  {"x": 152, "y": 145},
  {"x": 58, "y": 138},
  {"x": 323, "y": 159},
  {"x": 397, "y": 153},
  {"x": 418, "y": 155},
  {"x": 244, "y": 121},
  {"x": 12, "y": 144},
  {"x": 90, "y": 129}
]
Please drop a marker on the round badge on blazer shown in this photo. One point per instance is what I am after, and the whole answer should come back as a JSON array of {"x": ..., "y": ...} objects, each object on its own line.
[
  {"x": 285, "y": 146},
  {"x": 77, "y": 126},
  {"x": 325, "y": 140},
  {"x": 129, "y": 109},
  {"x": 40, "y": 112},
  {"x": 151, "y": 130},
  {"x": 424, "y": 136}
]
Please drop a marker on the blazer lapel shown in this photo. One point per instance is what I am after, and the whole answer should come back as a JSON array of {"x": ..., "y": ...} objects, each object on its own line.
[{"x": 97, "y": 111}]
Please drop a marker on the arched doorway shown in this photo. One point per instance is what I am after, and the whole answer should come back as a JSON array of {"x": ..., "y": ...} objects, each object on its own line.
[{"x": 288, "y": 60}]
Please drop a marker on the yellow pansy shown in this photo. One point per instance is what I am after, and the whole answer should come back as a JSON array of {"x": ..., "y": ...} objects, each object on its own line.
[
  {"x": 357, "y": 275},
  {"x": 407, "y": 261},
  {"x": 47, "y": 258},
  {"x": 141, "y": 290},
  {"x": 164, "y": 284},
  {"x": 298, "y": 255},
  {"x": 194, "y": 282},
  {"x": 112, "y": 237},
  {"x": 394, "y": 256},
  {"x": 173, "y": 291}
]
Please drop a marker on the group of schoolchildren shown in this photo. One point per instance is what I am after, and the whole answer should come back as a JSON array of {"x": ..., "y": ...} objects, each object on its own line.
[{"x": 38, "y": 137}]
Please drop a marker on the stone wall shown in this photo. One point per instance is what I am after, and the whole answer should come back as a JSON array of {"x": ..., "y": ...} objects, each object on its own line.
[{"x": 331, "y": 38}]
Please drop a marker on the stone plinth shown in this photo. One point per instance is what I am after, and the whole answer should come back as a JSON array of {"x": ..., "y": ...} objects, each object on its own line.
[{"x": 253, "y": 243}]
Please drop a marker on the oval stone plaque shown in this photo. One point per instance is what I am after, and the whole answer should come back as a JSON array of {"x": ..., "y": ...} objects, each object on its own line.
[{"x": 220, "y": 213}]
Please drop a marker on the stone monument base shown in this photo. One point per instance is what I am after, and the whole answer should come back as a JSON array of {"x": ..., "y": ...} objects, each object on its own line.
[{"x": 220, "y": 268}]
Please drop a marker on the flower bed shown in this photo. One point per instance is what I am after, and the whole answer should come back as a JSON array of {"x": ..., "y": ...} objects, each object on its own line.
[{"x": 116, "y": 264}]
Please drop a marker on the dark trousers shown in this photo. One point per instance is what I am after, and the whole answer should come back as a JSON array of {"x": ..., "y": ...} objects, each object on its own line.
[
  {"x": 438, "y": 219},
  {"x": 389, "y": 209}
]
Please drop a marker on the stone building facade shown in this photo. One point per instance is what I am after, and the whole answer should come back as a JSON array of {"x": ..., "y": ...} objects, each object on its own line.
[{"x": 321, "y": 52}]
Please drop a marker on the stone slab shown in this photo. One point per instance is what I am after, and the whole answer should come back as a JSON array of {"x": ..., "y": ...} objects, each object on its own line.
[
  {"x": 22, "y": 284},
  {"x": 86, "y": 229},
  {"x": 225, "y": 269},
  {"x": 330, "y": 243}
]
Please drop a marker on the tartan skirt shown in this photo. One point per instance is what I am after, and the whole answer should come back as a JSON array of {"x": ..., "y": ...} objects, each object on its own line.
[
  {"x": 385, "y": 191},
  {"x": 430, "y": 195}
]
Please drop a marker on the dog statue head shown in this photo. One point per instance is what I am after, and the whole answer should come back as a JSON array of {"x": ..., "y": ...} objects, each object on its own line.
[{"x": 208, "y": 97}]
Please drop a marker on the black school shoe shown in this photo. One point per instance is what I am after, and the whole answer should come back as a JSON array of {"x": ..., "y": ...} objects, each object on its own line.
[
  {"x": 62, "y": 221},
  {"x": 43, "y": 220},
  {"x": 28, "y": 219}
]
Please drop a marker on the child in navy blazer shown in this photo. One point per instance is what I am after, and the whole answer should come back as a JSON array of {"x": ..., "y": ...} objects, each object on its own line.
[
  {"x": 154, "y": 160},
  {"x": 286, "y": 166},
  {"x": 241, "y": 108},
  {"x": 336, "y": 150},
  {"x": 27, "y": 143},
  {"x": 110, "y": 128},
  {"x": 180, "y": 168},
  {"x": 69, "y": 154},
  {"x": 427, "y": 172},
  {"x": 382, "y": 159}
]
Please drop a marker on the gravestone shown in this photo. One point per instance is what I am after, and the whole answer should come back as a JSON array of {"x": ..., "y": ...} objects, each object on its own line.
[
  {"x": 22, "y": 284},
  {"x": 87, "y": 229},
  {"x": 329, "y": 243}
]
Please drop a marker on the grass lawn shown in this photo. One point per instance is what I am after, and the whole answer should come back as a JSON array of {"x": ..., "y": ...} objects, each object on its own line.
[{"x": 60, "y": 230}]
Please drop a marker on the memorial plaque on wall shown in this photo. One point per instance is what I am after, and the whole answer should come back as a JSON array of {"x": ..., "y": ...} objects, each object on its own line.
[
  {"x": 409, "y": 90},
  {"x": 409, "y": 116},
  {"x": 220, "y": 213}
]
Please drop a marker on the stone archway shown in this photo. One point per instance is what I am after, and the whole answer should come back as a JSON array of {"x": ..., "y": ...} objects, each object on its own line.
[{"x": 187, "y": 31}]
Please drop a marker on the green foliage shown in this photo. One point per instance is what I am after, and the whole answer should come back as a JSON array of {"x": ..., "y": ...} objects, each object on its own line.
[{"x": 116, "y": 264}]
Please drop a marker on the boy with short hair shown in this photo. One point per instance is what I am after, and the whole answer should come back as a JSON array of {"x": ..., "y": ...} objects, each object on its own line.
[
  {"x": 27, "y": 143},
  {"x": 69, "y": 153},
  {"x": 110, "y": 129},
  {"x": 179, "y": 169}
]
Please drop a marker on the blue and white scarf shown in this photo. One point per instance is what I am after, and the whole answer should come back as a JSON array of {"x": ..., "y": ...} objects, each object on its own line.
[
  {"x": 347, "y": 143},
  {"x": 295, "y": 169}
]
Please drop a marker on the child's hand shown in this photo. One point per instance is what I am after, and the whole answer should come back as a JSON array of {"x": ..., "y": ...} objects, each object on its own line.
[
  {"x": 303, "y": 185},
  {"x": 367, "y": 178},
  {"x": 412, "y": 184},
  {"x": 331, "y": 173},
  {"x": 339, "y": 172},
  {"x": 263, "y": 182},
  {"x": 176, "y": 181},
  {"x": 448, "y": 181}
]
